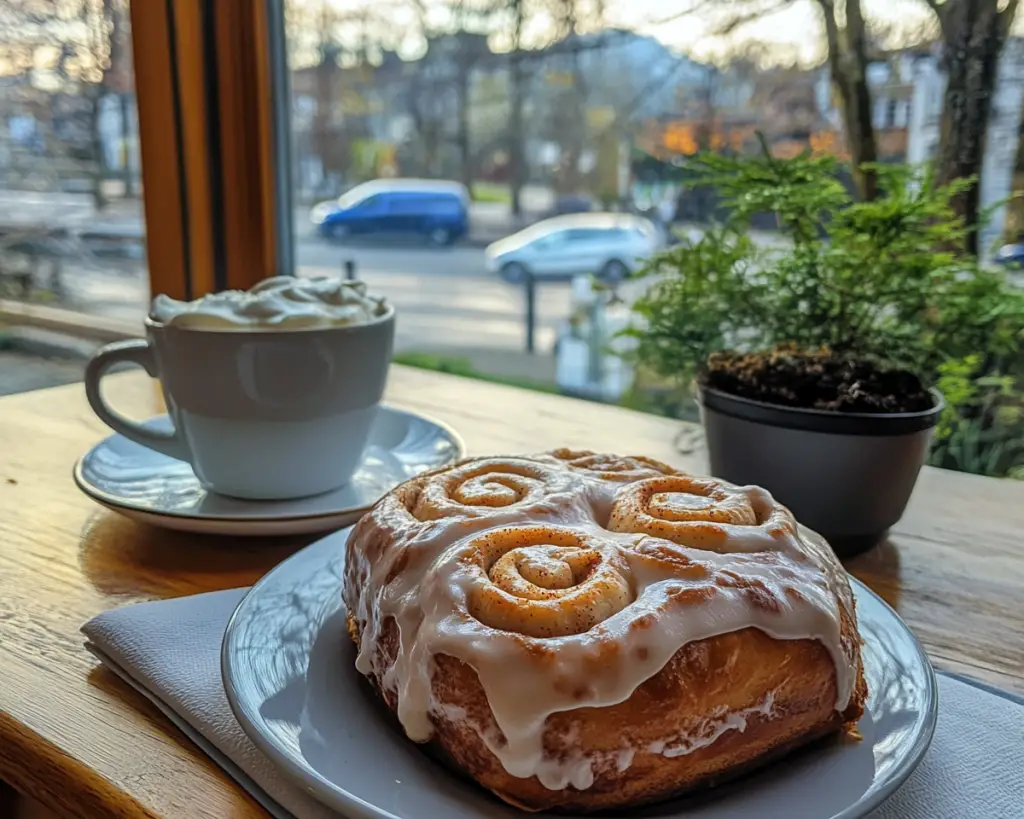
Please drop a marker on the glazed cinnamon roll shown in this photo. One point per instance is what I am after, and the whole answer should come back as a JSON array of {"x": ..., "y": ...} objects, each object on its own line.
[
  {"x": 542, "y": 581},
  {"x": 581, "y": 631}
]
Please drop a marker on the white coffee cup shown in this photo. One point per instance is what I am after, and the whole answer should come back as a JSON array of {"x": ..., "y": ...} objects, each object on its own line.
[{"x": 271, "y": 411}]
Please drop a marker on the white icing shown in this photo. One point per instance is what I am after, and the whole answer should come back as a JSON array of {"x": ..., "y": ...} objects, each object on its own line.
[
  {"x": 761, "y": 573},
  {"x": 624, "y": 758},
  {"x": 712, "y": 727},
  {"x": 576, "y": 769},
  {"x": 280, "y": 303}
]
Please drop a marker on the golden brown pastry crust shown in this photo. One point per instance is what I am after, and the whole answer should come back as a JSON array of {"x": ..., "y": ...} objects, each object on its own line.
[{"x": 719, "y": 706}]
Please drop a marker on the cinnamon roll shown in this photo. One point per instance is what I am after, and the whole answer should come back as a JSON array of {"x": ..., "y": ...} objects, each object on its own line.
[{"x": 580, "y": 631}]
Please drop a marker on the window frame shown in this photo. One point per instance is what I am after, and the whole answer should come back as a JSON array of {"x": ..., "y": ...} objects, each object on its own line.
[{"x": 212, "y": 89}]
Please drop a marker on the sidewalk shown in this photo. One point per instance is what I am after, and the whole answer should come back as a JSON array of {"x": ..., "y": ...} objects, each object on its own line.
[{"x": 31, "y": 209}]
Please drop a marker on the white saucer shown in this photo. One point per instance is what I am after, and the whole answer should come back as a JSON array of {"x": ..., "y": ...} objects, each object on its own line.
[
  {"x": 288, "y": 669},
  {"x": 152, "y": 488}
]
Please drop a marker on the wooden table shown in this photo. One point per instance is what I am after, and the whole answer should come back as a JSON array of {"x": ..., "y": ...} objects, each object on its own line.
[{"x": 79, "y": 741}]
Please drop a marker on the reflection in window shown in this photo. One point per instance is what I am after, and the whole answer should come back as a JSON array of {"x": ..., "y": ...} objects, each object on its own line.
[
  {"x": 71, "y": 225},
  {"x": 71, "y": 229},
  {"x": 568, "y": 108}
]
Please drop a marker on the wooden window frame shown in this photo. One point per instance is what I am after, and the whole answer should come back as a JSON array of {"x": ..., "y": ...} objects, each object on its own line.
[{"x": 211, "y": 84}]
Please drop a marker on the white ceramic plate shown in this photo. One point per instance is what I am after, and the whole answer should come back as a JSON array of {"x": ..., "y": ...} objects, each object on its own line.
[
  {"x": 288, "y": 671},
  {"x": 145, "y": 485}
]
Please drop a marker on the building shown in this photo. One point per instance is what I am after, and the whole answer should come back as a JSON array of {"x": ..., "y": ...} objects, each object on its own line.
[{"x": 908, "y": 90}]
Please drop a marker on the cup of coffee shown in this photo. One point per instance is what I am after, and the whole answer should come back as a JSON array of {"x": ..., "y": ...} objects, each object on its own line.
[{"x": 272, "y": 392}]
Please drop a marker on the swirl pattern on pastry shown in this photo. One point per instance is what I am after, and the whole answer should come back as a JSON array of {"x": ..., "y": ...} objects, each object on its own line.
[
  {"x": 572, "y": 583},
  {"x": 479, "y": 487},
  {"x": 612, "y": 467},
  {"x": 702, "y": 513},
  {"x": 543, "y": 581}
]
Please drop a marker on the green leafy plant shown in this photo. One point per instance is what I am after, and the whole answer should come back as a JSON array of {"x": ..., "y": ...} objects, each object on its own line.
[
  {"x": 882, "y": 281},
  {"x": 491, "y": 192}
]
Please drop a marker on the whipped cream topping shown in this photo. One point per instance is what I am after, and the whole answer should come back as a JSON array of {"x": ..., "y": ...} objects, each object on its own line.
[
  {"x": 280, "y": 303},
  {"x": 415, "y": 561}
]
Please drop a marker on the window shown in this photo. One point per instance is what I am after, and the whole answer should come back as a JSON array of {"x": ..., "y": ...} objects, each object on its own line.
[
  {"x": 587, "y": 234},
  {"x": 90, "y": 92},
  {"x": 72, "y": 228},
  {"x": 371, "y": 205},
  {"x": 204, "y": 146},
  {"x": 603, "y": 102},
  {"x": 552, "y": 240}
]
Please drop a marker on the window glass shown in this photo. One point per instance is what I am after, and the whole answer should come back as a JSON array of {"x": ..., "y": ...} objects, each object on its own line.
[
  {"x": 351, "y": 198},
  {"x": 378, "y": 203},
  {"x": 543, "y": 110},
  {"x": 552, "y": 240},
  {"x": 71, "y": 217},
  {"x": 587, "y": 234}
]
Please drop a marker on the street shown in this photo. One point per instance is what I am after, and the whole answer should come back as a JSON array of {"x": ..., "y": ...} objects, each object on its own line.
[{"x": 444, "y": 299}]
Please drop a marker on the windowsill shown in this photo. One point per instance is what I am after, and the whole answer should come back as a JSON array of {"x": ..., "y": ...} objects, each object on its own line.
[{"x": 67, "y": 322}]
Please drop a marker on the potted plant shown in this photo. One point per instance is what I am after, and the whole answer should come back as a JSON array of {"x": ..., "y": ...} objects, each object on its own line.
[{"x": 815, "y": 350}]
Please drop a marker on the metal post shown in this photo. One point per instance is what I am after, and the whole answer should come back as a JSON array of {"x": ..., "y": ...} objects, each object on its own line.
[
  {"x": 281, "y": 107},
  {"x": 595, "y": 343},
  {"x": 350, "y": 270},
  {"x": 531, "y": 309}
]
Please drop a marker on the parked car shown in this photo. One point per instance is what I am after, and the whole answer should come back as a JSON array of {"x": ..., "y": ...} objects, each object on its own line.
[
  {"x": 610, "y": 245},
  {"x": 1011, "y": 255},
  {"x": 434, "y": 209}
]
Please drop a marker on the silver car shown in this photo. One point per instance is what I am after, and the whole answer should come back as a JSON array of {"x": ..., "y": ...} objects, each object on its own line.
[{"x": 608, "y": 245}]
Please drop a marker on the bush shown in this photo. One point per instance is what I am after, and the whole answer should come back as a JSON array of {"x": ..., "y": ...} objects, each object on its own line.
[
  {"x": 883, "y": 281},
  {"x": 491, "y": 192}
]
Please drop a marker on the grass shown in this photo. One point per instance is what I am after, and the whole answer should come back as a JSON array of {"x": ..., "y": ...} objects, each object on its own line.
[
  {"x": 454, "y": 365},
  {"x": 491, "y": 192},
  {"x": 652, "y": 396}
]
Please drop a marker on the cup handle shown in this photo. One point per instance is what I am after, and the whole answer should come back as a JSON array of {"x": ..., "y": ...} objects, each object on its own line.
[{"x": 135, "y": 351}]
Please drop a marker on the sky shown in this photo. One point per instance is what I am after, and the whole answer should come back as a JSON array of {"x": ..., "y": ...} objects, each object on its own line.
[{"x": 794, "y": 34}]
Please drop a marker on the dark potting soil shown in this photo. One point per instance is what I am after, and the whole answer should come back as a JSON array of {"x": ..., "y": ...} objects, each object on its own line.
[{"x": 816, "y": 380}]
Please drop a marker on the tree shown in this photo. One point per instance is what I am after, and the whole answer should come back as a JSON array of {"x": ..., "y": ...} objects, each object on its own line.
[
  {"x": 471, "y": 52},
  {"x": 456, "y": 52},
  {"x": 556, "y": 56},
  {"x": 517, "y": 88},
  {"x": 846, "y": 52},
  {"x": 846, "y": 49},
  {"x": 74, "y": 42},
  {"x": 973, "y": 35},
  {"x": 345, "y": 71},
  {"x": 569, "y": 114},
  {"x": 109, "y": 47}
]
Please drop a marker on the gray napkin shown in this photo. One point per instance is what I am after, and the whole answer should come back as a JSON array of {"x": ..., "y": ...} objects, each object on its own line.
[{"x": 169, "y": 651}]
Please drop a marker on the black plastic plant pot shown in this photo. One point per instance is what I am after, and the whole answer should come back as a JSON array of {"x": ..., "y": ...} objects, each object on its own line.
[{"x": 848, "y": 476}]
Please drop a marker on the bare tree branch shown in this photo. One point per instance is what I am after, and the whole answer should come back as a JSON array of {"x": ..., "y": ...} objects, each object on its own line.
[
  {"x": 939, "y": 9},
  {"x": 744, "y": 11},
  {"x": 847, "y": 62},
  {"x": 696, "y": 8},
  {"x": 743, "y": 18},
  {"x": 1007, "y": 16},
  {"x": 833, "y": 54}
]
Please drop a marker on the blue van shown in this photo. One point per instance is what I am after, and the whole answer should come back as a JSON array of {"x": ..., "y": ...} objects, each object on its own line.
[{"x": 436, "y": 210}]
